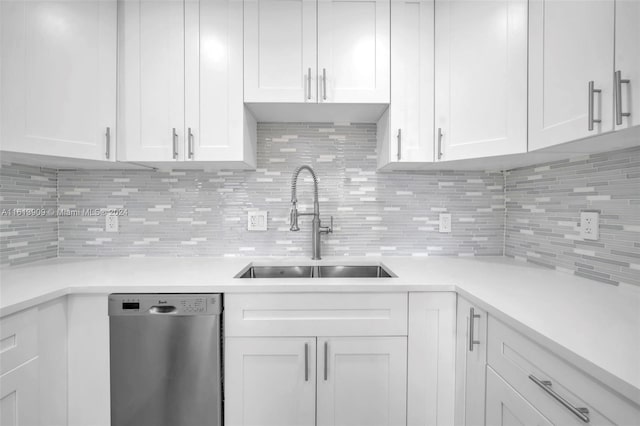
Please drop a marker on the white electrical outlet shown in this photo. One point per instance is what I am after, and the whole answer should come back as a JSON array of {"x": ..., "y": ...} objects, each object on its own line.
[
  {"x": 589, "y": 225},
  {"x": 257, "y": 221},
  {"x": 445, "y": 222},
  {"x": 111, "y": 223}
]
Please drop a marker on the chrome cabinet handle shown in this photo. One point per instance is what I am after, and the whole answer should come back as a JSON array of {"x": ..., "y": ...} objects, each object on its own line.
[
  {"x": 326, "y": 359},
  {"x": 592, "y": 92},
  {"x": 580, "y": 412},
  {"x": 190, "y": 137},
  {"x": 306, "y": 362},
  {"x": 309, "y": 83},
  {"x": 439, "y": 143},
  {"x": 472, "y": 318},
  {"x": 619, "y": 81},
  {"x": 399, "y": 144},
  {"x": 107, "y": 152},
  {"x": 324, "y": 84},
  {"x": 175, "y": 144}
]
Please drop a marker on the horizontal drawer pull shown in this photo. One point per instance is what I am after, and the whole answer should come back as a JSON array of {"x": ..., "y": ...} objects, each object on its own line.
[{"x": 580, "y": 412}]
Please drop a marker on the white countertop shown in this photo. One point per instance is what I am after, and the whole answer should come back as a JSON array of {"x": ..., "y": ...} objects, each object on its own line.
[{"x": 595, "y": 326}]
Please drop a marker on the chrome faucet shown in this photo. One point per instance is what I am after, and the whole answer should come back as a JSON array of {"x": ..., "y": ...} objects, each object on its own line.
[{"x": 293, "y": 215}]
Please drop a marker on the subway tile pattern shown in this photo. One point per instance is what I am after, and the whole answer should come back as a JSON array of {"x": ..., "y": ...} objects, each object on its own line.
[
  {"x": 28, "y": 222},
  {"x": 543, "y": 215},
  {"x": 204, "y": 213}
]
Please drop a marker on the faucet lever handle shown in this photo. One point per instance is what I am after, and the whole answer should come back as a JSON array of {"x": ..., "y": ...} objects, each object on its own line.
[{"x": 327, "y": 229}]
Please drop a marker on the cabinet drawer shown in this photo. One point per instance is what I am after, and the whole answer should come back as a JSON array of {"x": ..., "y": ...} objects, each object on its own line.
[
  {"x": 18, "y": 339},
  {"x": 519, "y": 360},
  {"x": 316, "y": 314}
]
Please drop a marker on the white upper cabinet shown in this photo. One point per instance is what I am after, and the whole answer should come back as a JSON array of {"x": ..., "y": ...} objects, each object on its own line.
[
  {"x": 353, "y": 51},
  {"x": 571, "y": 46},
  {"x": 151, "y": 80},
  {"x": 480, "y": 78},
  {"x": 409, "y": 120},
  {"x": 327, "y": 51},
  {"x": 58, "y": 78},
  {"x": 280, "y": 51},
  {"x": 627, "y": 64}
]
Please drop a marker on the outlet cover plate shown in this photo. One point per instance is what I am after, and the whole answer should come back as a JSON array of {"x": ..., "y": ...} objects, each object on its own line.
[
  {"x": 445, "y": 223},
  {"x": 589, "y": 225},
  {"x": 111, "y": 223},
  {"x": 257, "y": 221}
]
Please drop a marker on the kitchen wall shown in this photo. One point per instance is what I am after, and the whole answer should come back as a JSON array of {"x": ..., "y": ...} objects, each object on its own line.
[
  {"x": 26, "y": 238},
  {"x": 543, "y": 215},
  {"x": 187, "y": 213}
]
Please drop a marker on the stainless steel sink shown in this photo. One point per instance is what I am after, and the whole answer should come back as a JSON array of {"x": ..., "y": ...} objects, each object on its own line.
[{"x": 323, "y": 271}]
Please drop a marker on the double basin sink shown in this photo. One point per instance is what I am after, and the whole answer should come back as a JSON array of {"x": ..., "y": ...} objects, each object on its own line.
[{"x": 319, "y": 271}]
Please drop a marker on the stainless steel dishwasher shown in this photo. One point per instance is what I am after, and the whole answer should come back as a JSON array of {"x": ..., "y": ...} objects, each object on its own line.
[{"x": 165, "y": 359}]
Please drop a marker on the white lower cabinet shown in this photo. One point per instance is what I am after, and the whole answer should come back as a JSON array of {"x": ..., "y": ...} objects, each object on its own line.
[
  {"x": 506, "y": 407},
  {"x": 471, "y": 361},
  {"x": 270, "y": 381},
  {"x": 19, "y": 396}
]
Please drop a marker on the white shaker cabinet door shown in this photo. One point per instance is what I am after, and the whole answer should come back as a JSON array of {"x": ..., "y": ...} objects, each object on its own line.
[
  {"x": 280, "y": 51},
  {"x": 215, "y": 117},
  {"x": 58, "y": 78},
  {"x": 506, "y": 407},
  {"x": 481, "y": 78},
  {"x": 19, "y": 404},
  {"x": 362, "y": 381},
  {"x": 353, "y": 51},
  {"x": 571, "y": 47},
  {"x": 411, "y": 110},
  {"x": 471, "y": 362},
  {"x": 270, "y": 381},
  {"x": 627, "y": 64},
  {"x": 151, "y": 80}
]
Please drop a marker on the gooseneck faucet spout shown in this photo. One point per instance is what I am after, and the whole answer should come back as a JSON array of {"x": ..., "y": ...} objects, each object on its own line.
[{"x": 293, "y": 216}]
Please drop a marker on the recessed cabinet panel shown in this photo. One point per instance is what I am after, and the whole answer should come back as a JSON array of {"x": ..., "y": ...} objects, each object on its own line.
[
  {"x": 481, "y": 78},
  {"x": 270, "y": 381},
  {"x": 19, "y": 396},
  {"x": 151, "y": 80},
  {"x": 571, "y": 43},
  {"x": 58, "y": 78},
  {"x": 280, "y": 51},
  {"x": 627, "y": 62},
  {"x": 353, "y": 51}
]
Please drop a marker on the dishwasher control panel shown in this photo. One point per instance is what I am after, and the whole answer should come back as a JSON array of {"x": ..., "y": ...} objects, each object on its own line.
[{"x": 165, "y": 304}]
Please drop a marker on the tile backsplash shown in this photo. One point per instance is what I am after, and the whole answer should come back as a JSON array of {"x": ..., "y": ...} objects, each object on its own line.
[
  {"x": 530, "y": 214},
  {"x": 28, "y": 223},
  {"x": 187, "y": 213},
  {"x": 543, "y": 215}
]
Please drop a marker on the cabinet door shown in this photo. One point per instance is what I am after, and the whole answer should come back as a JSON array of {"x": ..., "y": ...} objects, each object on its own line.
[
  {"x": 353, "y": 51},
  {"x": 19, "y": 396},
  {"x": 411, "y": 110},
  {"x": 58, "y": 78},
  {"x": 431, "y": 374},
  {"x": 362, "y": 381},
  {"x": 270, "y": 381},
  {"x": 471, "y": 361},
  {"x": 151, "y": 80},
  {"x": 481, "y": 78},
  {"x": 570, "y": 44},
  {"x": 214, "y": 108},
  {"x": 280, "y": 51},
  {"x": 627, "y": 61},
  {"x": 506, "y": 407}
]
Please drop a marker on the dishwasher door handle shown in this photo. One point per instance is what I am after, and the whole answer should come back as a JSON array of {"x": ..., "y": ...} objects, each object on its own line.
[{"x": 163, "y": 310}]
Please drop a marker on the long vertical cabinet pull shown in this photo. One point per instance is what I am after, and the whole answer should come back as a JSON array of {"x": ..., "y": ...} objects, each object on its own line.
[
  {"x": 472, "y": 319},
  {"x": 324, "y": 84},
  {"x": 592, "y": 92},
  {"x": 306, "y": 362},
  {"x": 175, "y": 143},
  {"x": 309, "y": 84},
  {"x": 439, "y": 153},
  {"x": 190, "y": 149},
  {"x": 619, "y": 81},
  {"x": 107, "y": 135},
  {"x": 326, "y": 360},
  {"x": 399, "y": 144}
]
